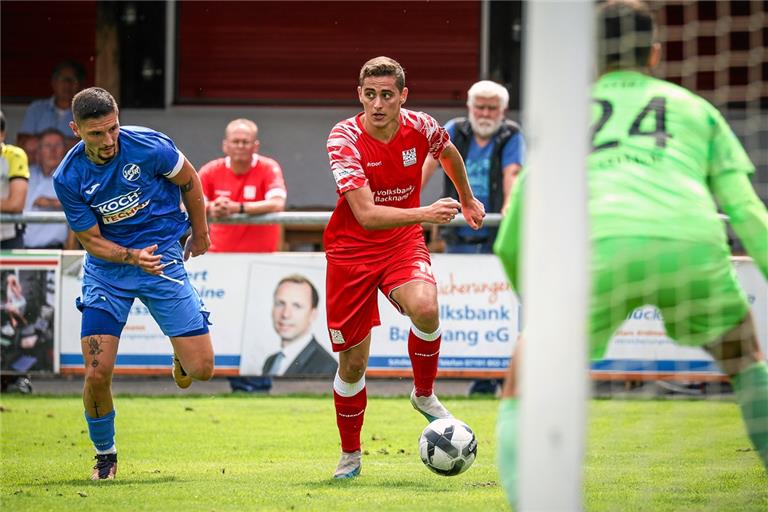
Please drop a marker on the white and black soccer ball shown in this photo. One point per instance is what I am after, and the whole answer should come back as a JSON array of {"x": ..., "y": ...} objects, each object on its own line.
[{"x": 448, "y": 446}]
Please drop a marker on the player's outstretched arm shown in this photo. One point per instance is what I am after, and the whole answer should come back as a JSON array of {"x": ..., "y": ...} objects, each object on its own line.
[
  {"x": 427, "y": 170},
  {"x": 472, "y": 209},
  {"x": 747, "y": 214},
  {"x": 373, "y": 216},
  {"x": 96, "y": 245},
  {"x": 194, "y": 200}
]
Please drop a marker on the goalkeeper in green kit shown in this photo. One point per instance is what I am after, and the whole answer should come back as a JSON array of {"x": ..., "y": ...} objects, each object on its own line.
[{"x": 662, "y": 158}]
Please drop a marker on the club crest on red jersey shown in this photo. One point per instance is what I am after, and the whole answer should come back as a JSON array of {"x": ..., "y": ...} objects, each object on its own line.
[{"x": 409, "y": 157}]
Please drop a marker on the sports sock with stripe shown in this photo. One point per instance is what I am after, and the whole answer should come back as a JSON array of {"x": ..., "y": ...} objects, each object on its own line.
[
  {"x": 350, "y": 400},
  {"x": 424, "y": 352},
  {"x": 102, "y": 432}
]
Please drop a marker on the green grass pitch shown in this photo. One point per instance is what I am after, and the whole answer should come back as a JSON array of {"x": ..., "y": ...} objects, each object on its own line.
[{"x": 234, "y": 452}]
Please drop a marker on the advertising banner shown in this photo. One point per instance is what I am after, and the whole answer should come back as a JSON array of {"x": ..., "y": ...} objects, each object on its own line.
[
  {"x": 29, "y": 299},
  {"x": 268, "y": 315},
  {"x": 222, "y": 282},
  {"x": 640, "y": 348},
  {"x": 479, "y": 316},
  {"x": 284, "y": 329}
]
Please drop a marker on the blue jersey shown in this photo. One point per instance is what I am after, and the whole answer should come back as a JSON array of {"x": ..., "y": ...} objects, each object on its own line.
[{"x": 131, "y": 197}]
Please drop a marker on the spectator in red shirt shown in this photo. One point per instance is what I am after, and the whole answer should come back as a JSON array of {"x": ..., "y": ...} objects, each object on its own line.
[{"x": 243, "y": 182}]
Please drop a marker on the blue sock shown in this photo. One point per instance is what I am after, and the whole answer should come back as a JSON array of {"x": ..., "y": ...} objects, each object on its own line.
[{"x": 102, "y": 432}]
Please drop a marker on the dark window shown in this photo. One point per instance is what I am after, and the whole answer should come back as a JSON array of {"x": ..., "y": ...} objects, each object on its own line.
[
  {"x": 141, "y": 29},
  {"x": 506, "y": 34}
]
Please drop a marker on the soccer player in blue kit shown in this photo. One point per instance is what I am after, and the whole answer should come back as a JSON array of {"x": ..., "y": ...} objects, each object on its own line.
[{"x": 121, "y": 190}]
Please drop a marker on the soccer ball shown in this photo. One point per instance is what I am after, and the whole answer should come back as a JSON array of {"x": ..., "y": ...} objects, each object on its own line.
[{"x": 448, "y": 446}]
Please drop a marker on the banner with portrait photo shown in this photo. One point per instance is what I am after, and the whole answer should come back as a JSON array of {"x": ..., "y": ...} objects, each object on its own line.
[
  {"x": 29, "y": 298},
  {"x": 284, "y": 332}
]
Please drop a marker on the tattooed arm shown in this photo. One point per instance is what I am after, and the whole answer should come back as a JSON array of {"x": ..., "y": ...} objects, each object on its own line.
[
  {"x": 194, "y": 201},
  {"x": 96, "y": 245}
]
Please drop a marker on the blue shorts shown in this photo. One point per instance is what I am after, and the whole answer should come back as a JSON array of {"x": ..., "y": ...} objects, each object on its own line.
[{"x": 172, "y": 301}]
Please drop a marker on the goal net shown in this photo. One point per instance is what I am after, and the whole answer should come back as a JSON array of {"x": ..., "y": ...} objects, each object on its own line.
[{"x": 716, "y": 50}]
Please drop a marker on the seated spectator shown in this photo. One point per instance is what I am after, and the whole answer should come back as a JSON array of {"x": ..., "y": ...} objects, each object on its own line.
[
  {"x": 243, "y": 182},
  {"x": 14, "y": 177},
  {"x": 30, "y": 145},
  {"x": 41, "y": 196},
  {"x": 54, "y": 112}
]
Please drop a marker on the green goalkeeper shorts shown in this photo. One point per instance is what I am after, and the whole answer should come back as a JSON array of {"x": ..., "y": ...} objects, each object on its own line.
[{"x": 693, "y": 284}]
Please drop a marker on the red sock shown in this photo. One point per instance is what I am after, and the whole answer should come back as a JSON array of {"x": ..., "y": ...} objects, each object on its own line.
[
  {"x": 350, "y": 411},
  {"x": 424, "y": 358}
]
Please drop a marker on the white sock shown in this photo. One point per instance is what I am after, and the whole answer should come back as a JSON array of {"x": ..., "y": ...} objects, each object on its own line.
[
  {"x": 347, "y": 388},
  {"x": 426, "y": 336},
  {"x": 108, "y": 450}
]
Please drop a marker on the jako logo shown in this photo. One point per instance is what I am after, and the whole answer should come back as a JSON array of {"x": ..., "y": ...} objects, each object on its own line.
[
  {"x": 374, "y": 164},
  {"x": 131, "y": 172}
]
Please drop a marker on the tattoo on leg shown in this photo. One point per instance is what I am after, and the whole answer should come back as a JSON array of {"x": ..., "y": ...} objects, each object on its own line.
[
  {"x": 94, "y": 350},
  {"x": 94, "y": 345},
  {"x": 186, "y": 187}
]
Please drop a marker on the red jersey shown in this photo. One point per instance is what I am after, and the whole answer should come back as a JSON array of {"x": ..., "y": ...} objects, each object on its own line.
[
  {"x": 392, "y": 171},
  {"x": 264, "y": 180}
]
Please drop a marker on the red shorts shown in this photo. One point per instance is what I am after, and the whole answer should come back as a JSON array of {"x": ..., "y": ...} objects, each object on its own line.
[{"x": 351, "y": 292}]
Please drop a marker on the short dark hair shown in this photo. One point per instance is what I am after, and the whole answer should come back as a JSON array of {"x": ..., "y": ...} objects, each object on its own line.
[
  {"x": 70, "y": 64},
  {"x": 51, "y": 131},
  {"x": 384, "y": 66},
  {"x": 300, "y": 279},
  {"x": 625, "y": 34},
  {"x": 92, "y": 103}
]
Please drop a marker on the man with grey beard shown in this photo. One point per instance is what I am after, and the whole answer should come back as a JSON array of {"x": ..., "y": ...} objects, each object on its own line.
[{"x": 492, "y": 147}]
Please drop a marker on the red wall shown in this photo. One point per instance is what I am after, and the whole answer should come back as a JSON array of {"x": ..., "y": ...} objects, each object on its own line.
[
  {"x": 34, "y": 36},
  {"x": 311, "y": 52},
  {"x": 261, "y": 52}
]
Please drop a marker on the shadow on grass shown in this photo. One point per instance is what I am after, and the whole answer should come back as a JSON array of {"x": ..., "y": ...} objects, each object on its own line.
[
  {"x": 117, "y": 482},
  {"x": 362, "y": 482}
]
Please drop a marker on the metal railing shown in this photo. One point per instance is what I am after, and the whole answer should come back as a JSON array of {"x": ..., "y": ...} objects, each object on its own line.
[{"x": 284, "y": 218}]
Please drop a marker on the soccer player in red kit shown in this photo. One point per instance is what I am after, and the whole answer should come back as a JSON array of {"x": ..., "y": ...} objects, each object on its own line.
[{"x": 374, "y": 241}]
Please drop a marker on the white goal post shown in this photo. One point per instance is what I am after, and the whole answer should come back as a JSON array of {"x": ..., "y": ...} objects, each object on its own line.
[{"x": 558, "y": 72}]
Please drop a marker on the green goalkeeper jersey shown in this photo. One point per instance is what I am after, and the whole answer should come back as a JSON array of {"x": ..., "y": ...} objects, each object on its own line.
[{"x": 655, "y": 148}]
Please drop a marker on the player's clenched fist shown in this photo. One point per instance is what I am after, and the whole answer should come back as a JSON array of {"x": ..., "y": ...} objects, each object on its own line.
[
  {"x": 443, "y": 210},
  {"x": 196, "y": 245},
  {"x": 474, "y": 213}
]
